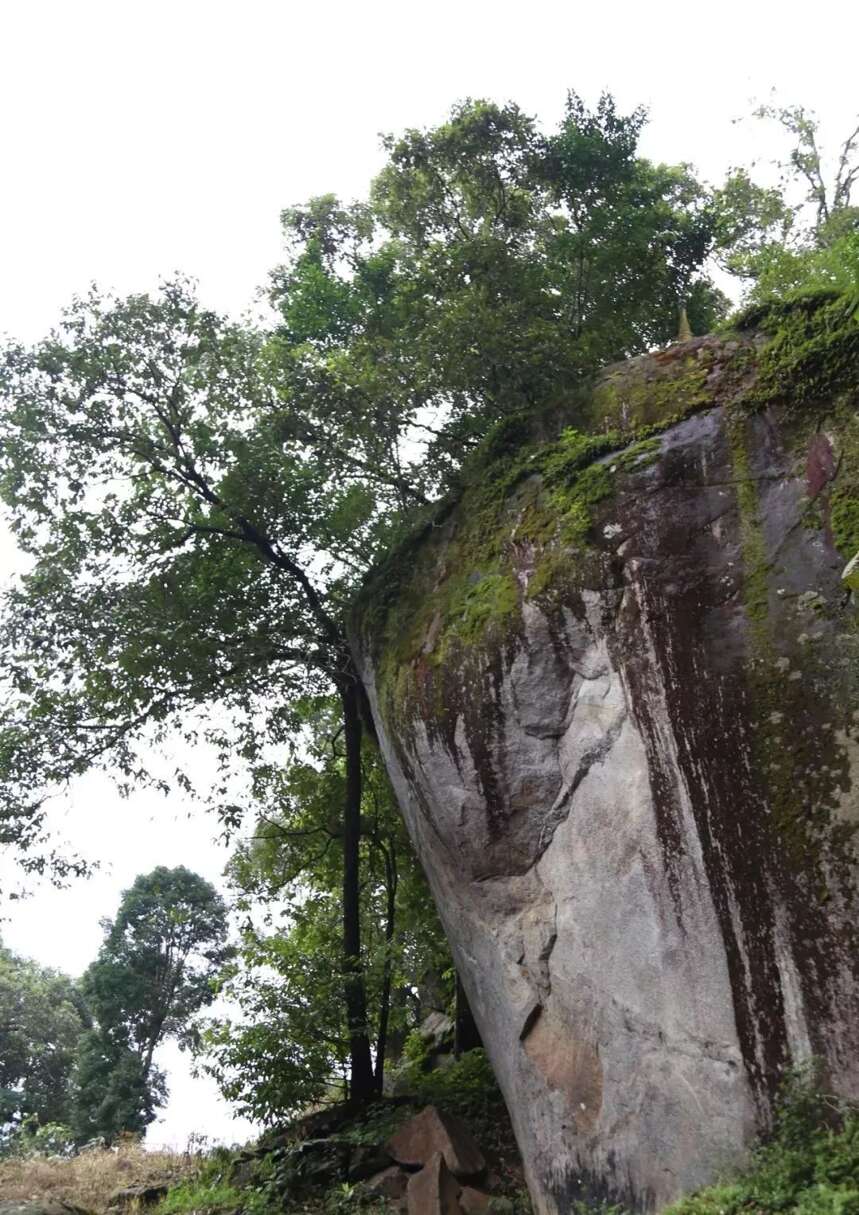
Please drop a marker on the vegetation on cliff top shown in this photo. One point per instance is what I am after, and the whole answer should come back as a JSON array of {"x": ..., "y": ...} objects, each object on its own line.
[
  {"x": 528, "y": 499},
  {"x": 201, "y": 499}
]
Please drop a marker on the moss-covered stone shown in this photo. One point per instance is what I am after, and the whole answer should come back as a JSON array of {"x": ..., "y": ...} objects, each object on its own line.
[
  {"x": 618, "y": 691},
  {"x": 812, "y": 352},
  {"x": 525, "y": 517}
]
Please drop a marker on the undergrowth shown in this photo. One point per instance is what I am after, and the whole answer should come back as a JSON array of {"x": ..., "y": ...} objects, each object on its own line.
[
  {"x": 91, "y": 1179},
  {"x": 809, "y": 1165}
]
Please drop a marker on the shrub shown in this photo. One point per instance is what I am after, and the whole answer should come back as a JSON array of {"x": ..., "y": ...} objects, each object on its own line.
[{"x": 808, "y": 1166}]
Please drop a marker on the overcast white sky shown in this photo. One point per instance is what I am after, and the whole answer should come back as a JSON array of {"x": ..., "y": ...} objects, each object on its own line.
[{"x": 139, "y": 138}]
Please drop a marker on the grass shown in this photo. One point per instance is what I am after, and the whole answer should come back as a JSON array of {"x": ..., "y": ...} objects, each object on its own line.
[{"x": 91, "y": 1179}]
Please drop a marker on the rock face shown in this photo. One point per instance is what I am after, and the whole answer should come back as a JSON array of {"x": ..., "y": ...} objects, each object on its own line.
[
  {"x": 431, "y": 1133},
  {"x": 617, "y": 689}
]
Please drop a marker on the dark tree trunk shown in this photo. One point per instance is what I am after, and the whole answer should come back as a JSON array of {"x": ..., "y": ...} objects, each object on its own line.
[
  {"x": 361, "y": 1083},
  {"x": 466, "y": 1035},
  {"x": 390, "y": 857}
]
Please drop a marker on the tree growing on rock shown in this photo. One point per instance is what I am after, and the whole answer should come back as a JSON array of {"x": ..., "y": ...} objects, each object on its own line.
[
  {"x": 201, "y": 498},
  {"x": 804, "y": 232}
]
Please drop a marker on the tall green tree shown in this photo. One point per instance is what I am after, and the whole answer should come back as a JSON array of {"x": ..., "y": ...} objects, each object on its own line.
[
  {"x": 191, "y": 551},
  {"x": 42, "y": 1018},
  {"x": 200, "y": 498},
  {"x": 154, "y": 971},
  {"x": 493, "y": 268},
  {"x": 289, "y": 1047}
]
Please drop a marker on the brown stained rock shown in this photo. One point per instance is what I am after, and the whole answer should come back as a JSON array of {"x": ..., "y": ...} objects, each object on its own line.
[
  {"x": 474, "y": 1202},
  {"x": 569, "y": 1065},
  {"x": 434, "y": 1190},
  {"x": 432, "y": 1131},
  {"x": 390, "y": 1184}
]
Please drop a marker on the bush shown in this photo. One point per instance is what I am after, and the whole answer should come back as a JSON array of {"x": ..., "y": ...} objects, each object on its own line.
[
  {"x": 29, "y": 1139},
  {"x": 809, "y": 1166},
  {"x": 466, "y": 1087}
]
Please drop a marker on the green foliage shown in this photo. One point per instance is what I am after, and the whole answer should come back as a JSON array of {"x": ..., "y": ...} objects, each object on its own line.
[
  {"x": 113, "y": 1092},
  {"x": 211, "y": 1192},
  {"x": 153, "y": 972},
  {"x": 29, "y": 1139},
  {"x": 155, "y": 967},
  {"x": 170, "y": 496},
  {"x": 809, "y": 1166},
  {"x": 804, "y": 234},
  {"x": 787, "y": 273},
  {"x": 289, "y": 1047},
  {"x": 42, "y": 1017},
  {"x": 377, "y": 1123},
  {"x": 466, "y": 1087},
  {"x": 532, "y": 259}
]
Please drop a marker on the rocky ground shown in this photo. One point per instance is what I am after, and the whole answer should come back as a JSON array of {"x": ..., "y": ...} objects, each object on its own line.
[{"x": 431, "y": 1164}]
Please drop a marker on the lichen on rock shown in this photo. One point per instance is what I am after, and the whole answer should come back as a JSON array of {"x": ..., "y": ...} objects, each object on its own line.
[{"x": 617, "y": 687}]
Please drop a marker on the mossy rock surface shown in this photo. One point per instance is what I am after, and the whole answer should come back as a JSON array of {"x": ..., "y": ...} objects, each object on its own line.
[{"x": 617, "y": 686}]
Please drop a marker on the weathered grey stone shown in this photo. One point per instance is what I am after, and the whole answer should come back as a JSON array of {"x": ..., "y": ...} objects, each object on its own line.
[
  {"x": 139, "y": 1195},
  {"x": 633, "y": 794},
  {"x": 36, "y": 1206},
  {"x": 436, "y": 1029},
  {"x": 434, "y": 1190},
  {"x": 432, "y": 1131},
  {"x": 365, "y": 1159}
]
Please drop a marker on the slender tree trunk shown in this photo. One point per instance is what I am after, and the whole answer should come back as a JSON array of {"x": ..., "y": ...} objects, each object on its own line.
[
  {"x": 361, "y": 1084},
  {"x": 152, "y": 1042},
  {"x": 466, "y": 1034},
  {"x": 387, "y": 970}
]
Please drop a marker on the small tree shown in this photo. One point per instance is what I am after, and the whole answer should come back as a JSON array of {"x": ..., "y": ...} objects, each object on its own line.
[
  {"x": 42, "y": 1018},
  {"x": 802, "y": 234},
  {"x": 153, "y": 972}
]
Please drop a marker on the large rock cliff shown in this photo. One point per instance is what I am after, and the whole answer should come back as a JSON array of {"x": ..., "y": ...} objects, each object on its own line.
[{"x": 617, "y": 688}]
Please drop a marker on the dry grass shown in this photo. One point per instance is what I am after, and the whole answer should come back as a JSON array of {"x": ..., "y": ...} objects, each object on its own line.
[{"x": 91, "y": 1179}]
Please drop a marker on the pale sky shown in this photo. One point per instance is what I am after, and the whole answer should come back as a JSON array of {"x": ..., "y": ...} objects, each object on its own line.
[{"x": 140, "y": 138}]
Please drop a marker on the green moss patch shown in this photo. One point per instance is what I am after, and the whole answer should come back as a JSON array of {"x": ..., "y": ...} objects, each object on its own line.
[
  {"x": 647, "y": 393},
  {"x": 525, "y": 521},
  {"x": 813, "y": 352}
]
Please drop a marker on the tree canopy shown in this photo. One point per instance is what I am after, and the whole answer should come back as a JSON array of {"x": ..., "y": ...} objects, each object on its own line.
[
  {"x": 199, "y": 498},
  {"x": 42, "y": 1017},
  {"x": 153, "y": 973}
]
